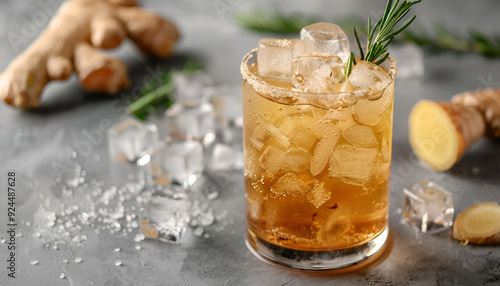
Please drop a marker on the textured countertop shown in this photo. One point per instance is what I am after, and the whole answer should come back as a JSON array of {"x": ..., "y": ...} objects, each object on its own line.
[{"x": 35, "y": 144}]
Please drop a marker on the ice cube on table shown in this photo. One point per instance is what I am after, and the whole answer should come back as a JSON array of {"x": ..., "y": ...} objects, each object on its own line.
[
  {"x": 227, "y": 151},
  {"x": 195, "y": 122},
  {"x": 165, "y": 216},
  {"x": 188, "y": 88},
  {"x": 410, "y": 58},
  {"x": 132, "y": 141},
  {"x": 220, "y": 156},
  {"x": 316, "y": 72},
  {"x": 227, "y": 103},
  {"x": 274, "y": 57},
  {"x": 370, "y": 77},
  {"x": 428, "y": 207},
  {"x": 230, "y": 135},
  {"x": 177, "y": 162},
  {"x": 326, "y": 38}
]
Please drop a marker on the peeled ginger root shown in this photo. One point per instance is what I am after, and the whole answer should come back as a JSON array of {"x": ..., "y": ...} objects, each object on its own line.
[
  {"x": 440, "y": 132},
  {"x": 478, "y": 224}
]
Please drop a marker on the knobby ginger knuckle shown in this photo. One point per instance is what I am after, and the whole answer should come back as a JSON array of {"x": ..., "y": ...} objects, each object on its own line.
[{"x": 71, "y": 42}]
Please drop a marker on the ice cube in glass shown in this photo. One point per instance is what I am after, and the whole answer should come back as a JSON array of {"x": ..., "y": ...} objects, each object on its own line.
[
  {"x": 192, "y": 122},
  {"x": 274, "y": 57},
  {"x": 370, "y": 77},
  {"x": 428, "y": 207},
  {"x": 325, "y": 38},
  {"x": 316, "y": 72},
  {"x": 177, "y": 162},
  {"x": 165, "y": 216},
  {"x": 132, "y": 141}
]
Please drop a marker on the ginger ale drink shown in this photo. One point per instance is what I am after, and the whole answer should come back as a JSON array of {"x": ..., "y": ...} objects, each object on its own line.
[{"x": 317, "y": 155}]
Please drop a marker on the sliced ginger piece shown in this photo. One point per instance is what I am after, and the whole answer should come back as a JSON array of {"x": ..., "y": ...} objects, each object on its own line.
[
  {"x": 440, "y": 132},
  {"x": 478, "y": 224}
]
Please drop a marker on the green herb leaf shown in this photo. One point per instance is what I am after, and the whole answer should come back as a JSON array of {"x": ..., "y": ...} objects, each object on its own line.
[
  {"x": 156, "y": 92},
  {"x": 351, "y": 61},
  {"x": 384, "y": 31}
]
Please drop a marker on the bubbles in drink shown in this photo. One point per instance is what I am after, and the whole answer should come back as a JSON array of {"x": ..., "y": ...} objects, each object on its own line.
[
  {"x": 323, "y": 151},
  {"x": 319, "y": 195},
  {"x": 290, "y": 185},
  {"x": 295, "y": 160},
  {"x": 353, "y": 165},
  {"x": 269, "y": 159},
  {"x": 360, "y": 136}
]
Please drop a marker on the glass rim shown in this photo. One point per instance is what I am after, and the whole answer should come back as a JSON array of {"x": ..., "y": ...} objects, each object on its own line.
[{"x": 322, "y": 100}]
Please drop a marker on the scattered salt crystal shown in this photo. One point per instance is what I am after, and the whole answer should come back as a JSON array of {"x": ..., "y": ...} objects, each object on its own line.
[
  {"x": 117, "y": 249},
  {"x": 78, "y": 259},
  {"x": 34, "y": 262},
  {"x": 118, "y": 263},
  {"x": 139, "y": 237},
  {"x": 62, "y": 276},
  {"x": 134, "y": 224},
  {"x": 198, "y": 231}
]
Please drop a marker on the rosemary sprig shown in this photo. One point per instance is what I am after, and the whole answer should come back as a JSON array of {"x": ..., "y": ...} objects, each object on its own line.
[
  {"x": 277, "y": 22},
  {"x": 156, "y": 92},
  {"x": 383, "y": 32},
  {"x": 274, "y": 21},
  {"x": 441, "y": 38},
  {"x": 444, "y": 39}
]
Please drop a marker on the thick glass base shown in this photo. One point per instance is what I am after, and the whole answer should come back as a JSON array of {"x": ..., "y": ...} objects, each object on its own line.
[{"x": 316, "y": 260}]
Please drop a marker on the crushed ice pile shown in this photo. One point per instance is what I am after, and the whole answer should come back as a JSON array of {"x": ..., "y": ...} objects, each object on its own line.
[
  {"x": 203, "y": 134},
  {"x": 157, "y": 199}
]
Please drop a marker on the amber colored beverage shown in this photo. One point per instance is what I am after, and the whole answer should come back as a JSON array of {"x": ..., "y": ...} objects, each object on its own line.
[{"x": 316, "y": 172}]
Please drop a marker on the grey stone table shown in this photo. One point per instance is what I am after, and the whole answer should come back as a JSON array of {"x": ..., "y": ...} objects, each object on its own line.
[{"x": 55, "y": 247}]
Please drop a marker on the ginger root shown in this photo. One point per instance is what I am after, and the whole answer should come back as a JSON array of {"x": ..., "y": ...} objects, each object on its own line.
[
  {"x": 478, "y": 224},
  {"x": 441, "y": 132},
  {"x": 71, "y": 42}
]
